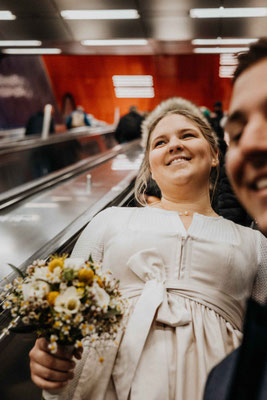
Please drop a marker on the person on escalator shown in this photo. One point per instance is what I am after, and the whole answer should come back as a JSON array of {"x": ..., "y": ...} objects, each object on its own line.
[
  {"x": 77, "y": 118},
  {"x": 129, "y": 126},
  {"x": 185, "y": 271},
  {"x": 35, "y": 123}
]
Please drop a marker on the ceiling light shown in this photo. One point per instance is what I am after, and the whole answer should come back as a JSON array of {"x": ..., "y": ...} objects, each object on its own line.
[
  {"x": 31, "y": 51},
  {"x": 228, "y": 59},
  {"x": 100, "y": 14},
  {"x": 20, "y": 43},
  {"x": 7, "y": 15},
  {"x": 218, "y": 50},
  {"x": 135, "y": 92},
  {"x": 220, "y": 41},
  {"x": 115, "y": 42},
  {"x": 132, "y": 80},
  {"x": 222, "y": 12},
  {"x": 227, "y": 71}
]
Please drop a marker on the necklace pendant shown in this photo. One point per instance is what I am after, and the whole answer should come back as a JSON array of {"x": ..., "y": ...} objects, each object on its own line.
[{"x": 185, "y": 213}]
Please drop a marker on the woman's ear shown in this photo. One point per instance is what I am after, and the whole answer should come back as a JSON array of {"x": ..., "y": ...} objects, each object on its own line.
[{"x": 215, "y": 159}]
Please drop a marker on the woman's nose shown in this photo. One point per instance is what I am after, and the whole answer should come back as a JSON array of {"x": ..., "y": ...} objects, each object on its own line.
[{"x": 175, "y": 144}]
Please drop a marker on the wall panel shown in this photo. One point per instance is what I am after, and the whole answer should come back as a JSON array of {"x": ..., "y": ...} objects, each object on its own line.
[{"x": 89, "y": 79}]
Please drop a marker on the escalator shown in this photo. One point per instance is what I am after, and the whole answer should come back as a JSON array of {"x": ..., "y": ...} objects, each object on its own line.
[{"x": 47, "y": 221}]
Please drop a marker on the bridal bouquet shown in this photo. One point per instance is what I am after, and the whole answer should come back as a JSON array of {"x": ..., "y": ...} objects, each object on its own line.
[{"x": 65, "y": 300}]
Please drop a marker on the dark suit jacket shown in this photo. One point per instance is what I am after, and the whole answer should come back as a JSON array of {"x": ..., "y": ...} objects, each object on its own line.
[{"x": 243, "y": 374}]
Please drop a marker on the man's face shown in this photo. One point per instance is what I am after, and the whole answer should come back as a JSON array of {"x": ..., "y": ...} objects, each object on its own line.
[{"x": 246, "y": 160}]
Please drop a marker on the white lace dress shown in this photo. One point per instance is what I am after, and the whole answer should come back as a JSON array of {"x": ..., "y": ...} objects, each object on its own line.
[{"x": 187, "y": 292}]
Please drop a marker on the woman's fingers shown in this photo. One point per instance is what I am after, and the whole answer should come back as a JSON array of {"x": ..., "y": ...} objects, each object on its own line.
[
  {"x": 49, "y": 374},
  {"x": 78, "y": 353},
  {"x": 47, "y": 385},
  {"x": 49, "y": 371}
]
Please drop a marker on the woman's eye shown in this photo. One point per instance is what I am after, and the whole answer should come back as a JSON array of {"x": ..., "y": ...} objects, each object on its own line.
[
  {"x": 189, "y": 134},
  {"x": 159, "y": 143}
]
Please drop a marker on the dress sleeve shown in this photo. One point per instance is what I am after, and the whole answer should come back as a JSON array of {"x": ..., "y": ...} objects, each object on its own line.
[
  {"x": 91, "y": 240},
  {"x": 259, "y": 292}
]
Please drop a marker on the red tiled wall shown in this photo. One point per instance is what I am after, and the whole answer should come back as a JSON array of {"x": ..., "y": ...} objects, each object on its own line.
[{"x": 89, "y": 79}]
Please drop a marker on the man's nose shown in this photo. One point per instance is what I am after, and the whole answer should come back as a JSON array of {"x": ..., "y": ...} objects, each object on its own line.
[{"x": 254, "y": 137}]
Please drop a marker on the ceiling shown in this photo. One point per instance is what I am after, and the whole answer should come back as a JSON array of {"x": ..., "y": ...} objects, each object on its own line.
[{"x": 165, "y": 23}]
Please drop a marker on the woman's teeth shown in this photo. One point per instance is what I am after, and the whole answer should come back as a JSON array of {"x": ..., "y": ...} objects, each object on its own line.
[{"x": 177, "y": 161}]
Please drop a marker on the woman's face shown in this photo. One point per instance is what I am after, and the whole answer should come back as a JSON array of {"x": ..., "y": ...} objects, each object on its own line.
[{"x": 179, "y": 153}]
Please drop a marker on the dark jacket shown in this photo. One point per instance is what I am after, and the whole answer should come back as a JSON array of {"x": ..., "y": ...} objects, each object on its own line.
[
  {"x": 34, "y": 125},
  {"x": 129, "y": 127},
  {"x": 243, "y": 374}
]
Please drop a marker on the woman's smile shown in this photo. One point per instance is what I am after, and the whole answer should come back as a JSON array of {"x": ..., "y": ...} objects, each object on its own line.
[
  {"x": 178, "y": 144},
  {"x": 179, "y": 160}
]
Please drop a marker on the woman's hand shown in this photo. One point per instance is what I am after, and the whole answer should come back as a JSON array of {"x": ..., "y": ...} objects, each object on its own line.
[{"x": 51, "y": 371}]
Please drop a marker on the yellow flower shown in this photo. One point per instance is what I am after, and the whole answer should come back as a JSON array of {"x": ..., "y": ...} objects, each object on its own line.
[
  {"x": 78, "y": 344},
  {"x": 80, "y": 291},
  {"x": 56, "y": 262},
  {"x": 86, "y": 275},
  {"x": 57, "y": 324},
  {"x": 101, "y": 359},
  {"x": 51, "y": 297},
  {"x": 100, "y": 283}
]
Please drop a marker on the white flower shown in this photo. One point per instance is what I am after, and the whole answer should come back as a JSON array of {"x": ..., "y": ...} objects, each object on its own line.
[
  {"x": 78, "y": 344},
  {"x": 26, "y": 320},
  {"x": 74, "y": 263},
  {"x": 41, "y": 273},
  {"x": 37, "y": 289},
  {"x": 78, "y": 319},
  {"x": 53, "y": 347},
  {"x": 7, "y": 304},
  {"x": 65, "y": 329},
  {"x": 53, "y": 338},
  {"x": 101, "y": 297},
  {"x": 63, "y": 286},
  {"x": 68, "y": 301}
]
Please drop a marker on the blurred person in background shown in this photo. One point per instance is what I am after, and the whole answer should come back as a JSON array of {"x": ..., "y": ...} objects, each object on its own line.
[
  {"x": 77, "y": 118},
  {"x": 129, "y": 126},
  {"x": 216, "y": 117},
  {"x": 34, "y": 125},
  {"x": 68, "y": 105}
]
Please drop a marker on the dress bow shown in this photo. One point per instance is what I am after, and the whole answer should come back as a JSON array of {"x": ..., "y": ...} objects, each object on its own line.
[{"x": 155, "y": 302}]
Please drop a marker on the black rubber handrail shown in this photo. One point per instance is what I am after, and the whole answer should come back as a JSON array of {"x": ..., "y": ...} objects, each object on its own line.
[{"x": 20, "y": 193}]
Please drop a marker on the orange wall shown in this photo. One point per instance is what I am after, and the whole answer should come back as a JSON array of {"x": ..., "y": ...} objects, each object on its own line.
[{"x": 89, "y": 79}]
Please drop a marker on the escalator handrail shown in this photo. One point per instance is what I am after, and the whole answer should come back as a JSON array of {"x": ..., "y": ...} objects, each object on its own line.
[{"x": 21, "y": 192}]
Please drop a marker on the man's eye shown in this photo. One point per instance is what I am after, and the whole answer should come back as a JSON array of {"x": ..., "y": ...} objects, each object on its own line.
[{"x": 234, "y": 137}]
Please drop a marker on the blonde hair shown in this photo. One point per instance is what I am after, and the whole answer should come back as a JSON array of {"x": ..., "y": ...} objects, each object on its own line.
[{"x": 180, "y": 106}]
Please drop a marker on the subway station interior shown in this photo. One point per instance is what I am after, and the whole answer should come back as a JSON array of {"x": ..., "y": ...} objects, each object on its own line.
[{"x": 100, "y": 58}]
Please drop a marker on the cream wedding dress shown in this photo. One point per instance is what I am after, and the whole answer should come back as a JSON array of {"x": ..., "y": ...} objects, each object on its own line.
[{"x": 187, "y": 292}]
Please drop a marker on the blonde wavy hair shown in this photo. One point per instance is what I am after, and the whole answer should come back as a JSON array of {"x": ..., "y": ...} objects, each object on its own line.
[{"x": 180, "y": 106}]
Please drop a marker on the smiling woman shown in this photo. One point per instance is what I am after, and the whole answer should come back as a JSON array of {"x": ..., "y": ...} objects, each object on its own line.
[
  {"x": 185, "y": 271},
  {"x": 181, "y": 156}
]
